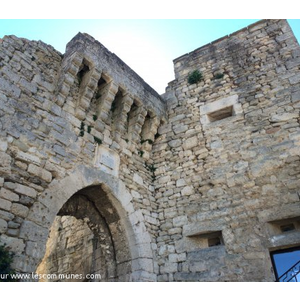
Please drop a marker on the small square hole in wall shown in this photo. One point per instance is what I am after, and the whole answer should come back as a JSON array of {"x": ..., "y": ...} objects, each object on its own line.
[
  {"x": 284, "y": 226},
  {"x": 221, "y": 114},
  {"x": 207, "y": 240}
]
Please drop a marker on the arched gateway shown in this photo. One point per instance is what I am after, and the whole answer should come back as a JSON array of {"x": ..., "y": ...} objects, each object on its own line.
[{"x": 100, "y": 205}]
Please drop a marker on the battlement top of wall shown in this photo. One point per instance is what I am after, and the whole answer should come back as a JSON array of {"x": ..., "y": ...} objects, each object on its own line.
[
  {"x": 83, "y": 42},
  {"x": 250, "y": 28}
]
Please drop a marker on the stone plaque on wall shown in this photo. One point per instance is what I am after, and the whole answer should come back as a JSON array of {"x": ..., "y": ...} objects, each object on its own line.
[{"x": 107, "y": 160}]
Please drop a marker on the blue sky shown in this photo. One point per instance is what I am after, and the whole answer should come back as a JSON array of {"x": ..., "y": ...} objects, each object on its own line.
[
  {"x": 147, "y": 46},
  {"x": 284, "y": 261}
]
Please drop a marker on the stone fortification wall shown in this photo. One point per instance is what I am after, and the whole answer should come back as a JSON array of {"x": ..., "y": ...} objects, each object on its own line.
[
  {"x": 199, "y": 184},
  {"x": 60, "y": 112},
  {"x": 228, "y": 164}
]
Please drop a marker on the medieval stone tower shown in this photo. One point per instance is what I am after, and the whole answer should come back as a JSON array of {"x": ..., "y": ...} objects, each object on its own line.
[{"x": 106, "y": 180}]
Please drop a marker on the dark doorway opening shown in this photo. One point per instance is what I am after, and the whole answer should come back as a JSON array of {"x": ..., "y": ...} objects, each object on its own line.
[{"x": 286, "y": 264}]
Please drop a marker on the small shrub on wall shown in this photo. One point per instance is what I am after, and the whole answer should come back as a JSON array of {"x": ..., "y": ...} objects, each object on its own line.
[{"x": 195, "y": 77}]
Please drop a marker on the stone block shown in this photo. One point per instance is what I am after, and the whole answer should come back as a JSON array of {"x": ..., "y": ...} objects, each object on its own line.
[
  {"x": 19, "y": 210},
  {"x": 180, "y": 221},
  {"x": 180, "y": 182},
  {"x": 25, "y": 190},
  {"x": 283, "y": 117},
  {"x": 8, "y": 195},
  {"x": 13, "y": 225},
  {"x": 294, "y": 79},
  {"x": 12, "y": 232},
  {"x": 7, "y": 216},
  {"x": 175, "y": 143},
  {"x": 169, "y": 267},
  {"x": 187, "y": 191},
  {"x": 5, "y": 162},
  {"x": 3, "y": 146},
  {"x": 197, "y": 266},
  {"x": 190, "y": 143},
  {"x": 40, "y": 172},
  {"x": 216, "y": 145},
  {"x": 138, "y": 179},
  {"x": 177, "y": 257},
  {"x": 180, "y": 128},
  {"x": 14, "y": 244},
  {"x": 296, "y": 96},
  {"x": 136, "y": 195},
  {"x": 33, "y": 232},
  {"x": 35, "y": 250},
  {"x": 10, "y": 89},
  {"x": 3, "y": 226},
  {"x": 31, "y": 87},
  {"x": 20, "y": 155},
  {"x": 164, "y": 179}
]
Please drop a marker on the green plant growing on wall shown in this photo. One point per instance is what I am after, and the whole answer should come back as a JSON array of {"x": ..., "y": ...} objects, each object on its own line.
[
  {"x": 89, "y": 129},
  {"x": 97, "y": 140},
  {"x": 141, "y": 153},
  {"x": 195, "y": 77},
  {"x": 151, "y": 169},
  {"x": 95, "y": 117},
  {"x": 82, "y": 129},
  {"x": 219, "y": 76},
  {"x": 6, "y": 259}
]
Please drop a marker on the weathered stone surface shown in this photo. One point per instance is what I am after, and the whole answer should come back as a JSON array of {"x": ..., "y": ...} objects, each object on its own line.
[
  {"x": 3, "y": 145},
  {"x": 180, "y": 182},
  {"x": 15, "y": 245},
  {"x": 25, "y": 190},
  {"x": 236, "y": 135},
  {"x": 11, "y": 90},
  {"x": 8, "y": 195},
  {"x": 193, "y": 185},
  {"x": 27, "y": 157},
  {"x": 190, "y": 143},
  {"x": 186, "y": 191},
  {"x": 33, "y": 232},
  {"x": 175, "y": 143},
  {"x": 5, "y": 162},
  {"x": 283, "y": 117},
  {"x": 138, "y": 179},
  {"x": 3, "y": 226},
  {"x": 19, "y": 210},
  {"x": 40, "y": 172}
]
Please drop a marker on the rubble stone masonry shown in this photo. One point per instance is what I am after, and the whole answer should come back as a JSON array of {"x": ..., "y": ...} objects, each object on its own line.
[{"x": 197, "y": 184}]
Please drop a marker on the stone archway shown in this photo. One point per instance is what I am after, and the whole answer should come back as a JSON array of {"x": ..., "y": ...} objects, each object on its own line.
[
  {"x": 87, "y": 241},
  {"x": 74, "y": 196}
]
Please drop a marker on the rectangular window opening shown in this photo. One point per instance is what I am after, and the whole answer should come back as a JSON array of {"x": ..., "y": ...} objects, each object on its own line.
[
  {"x": 221, "y": 114},
  {"x": 284, "y": 226},
  {"x": 207, "y": 239}
]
